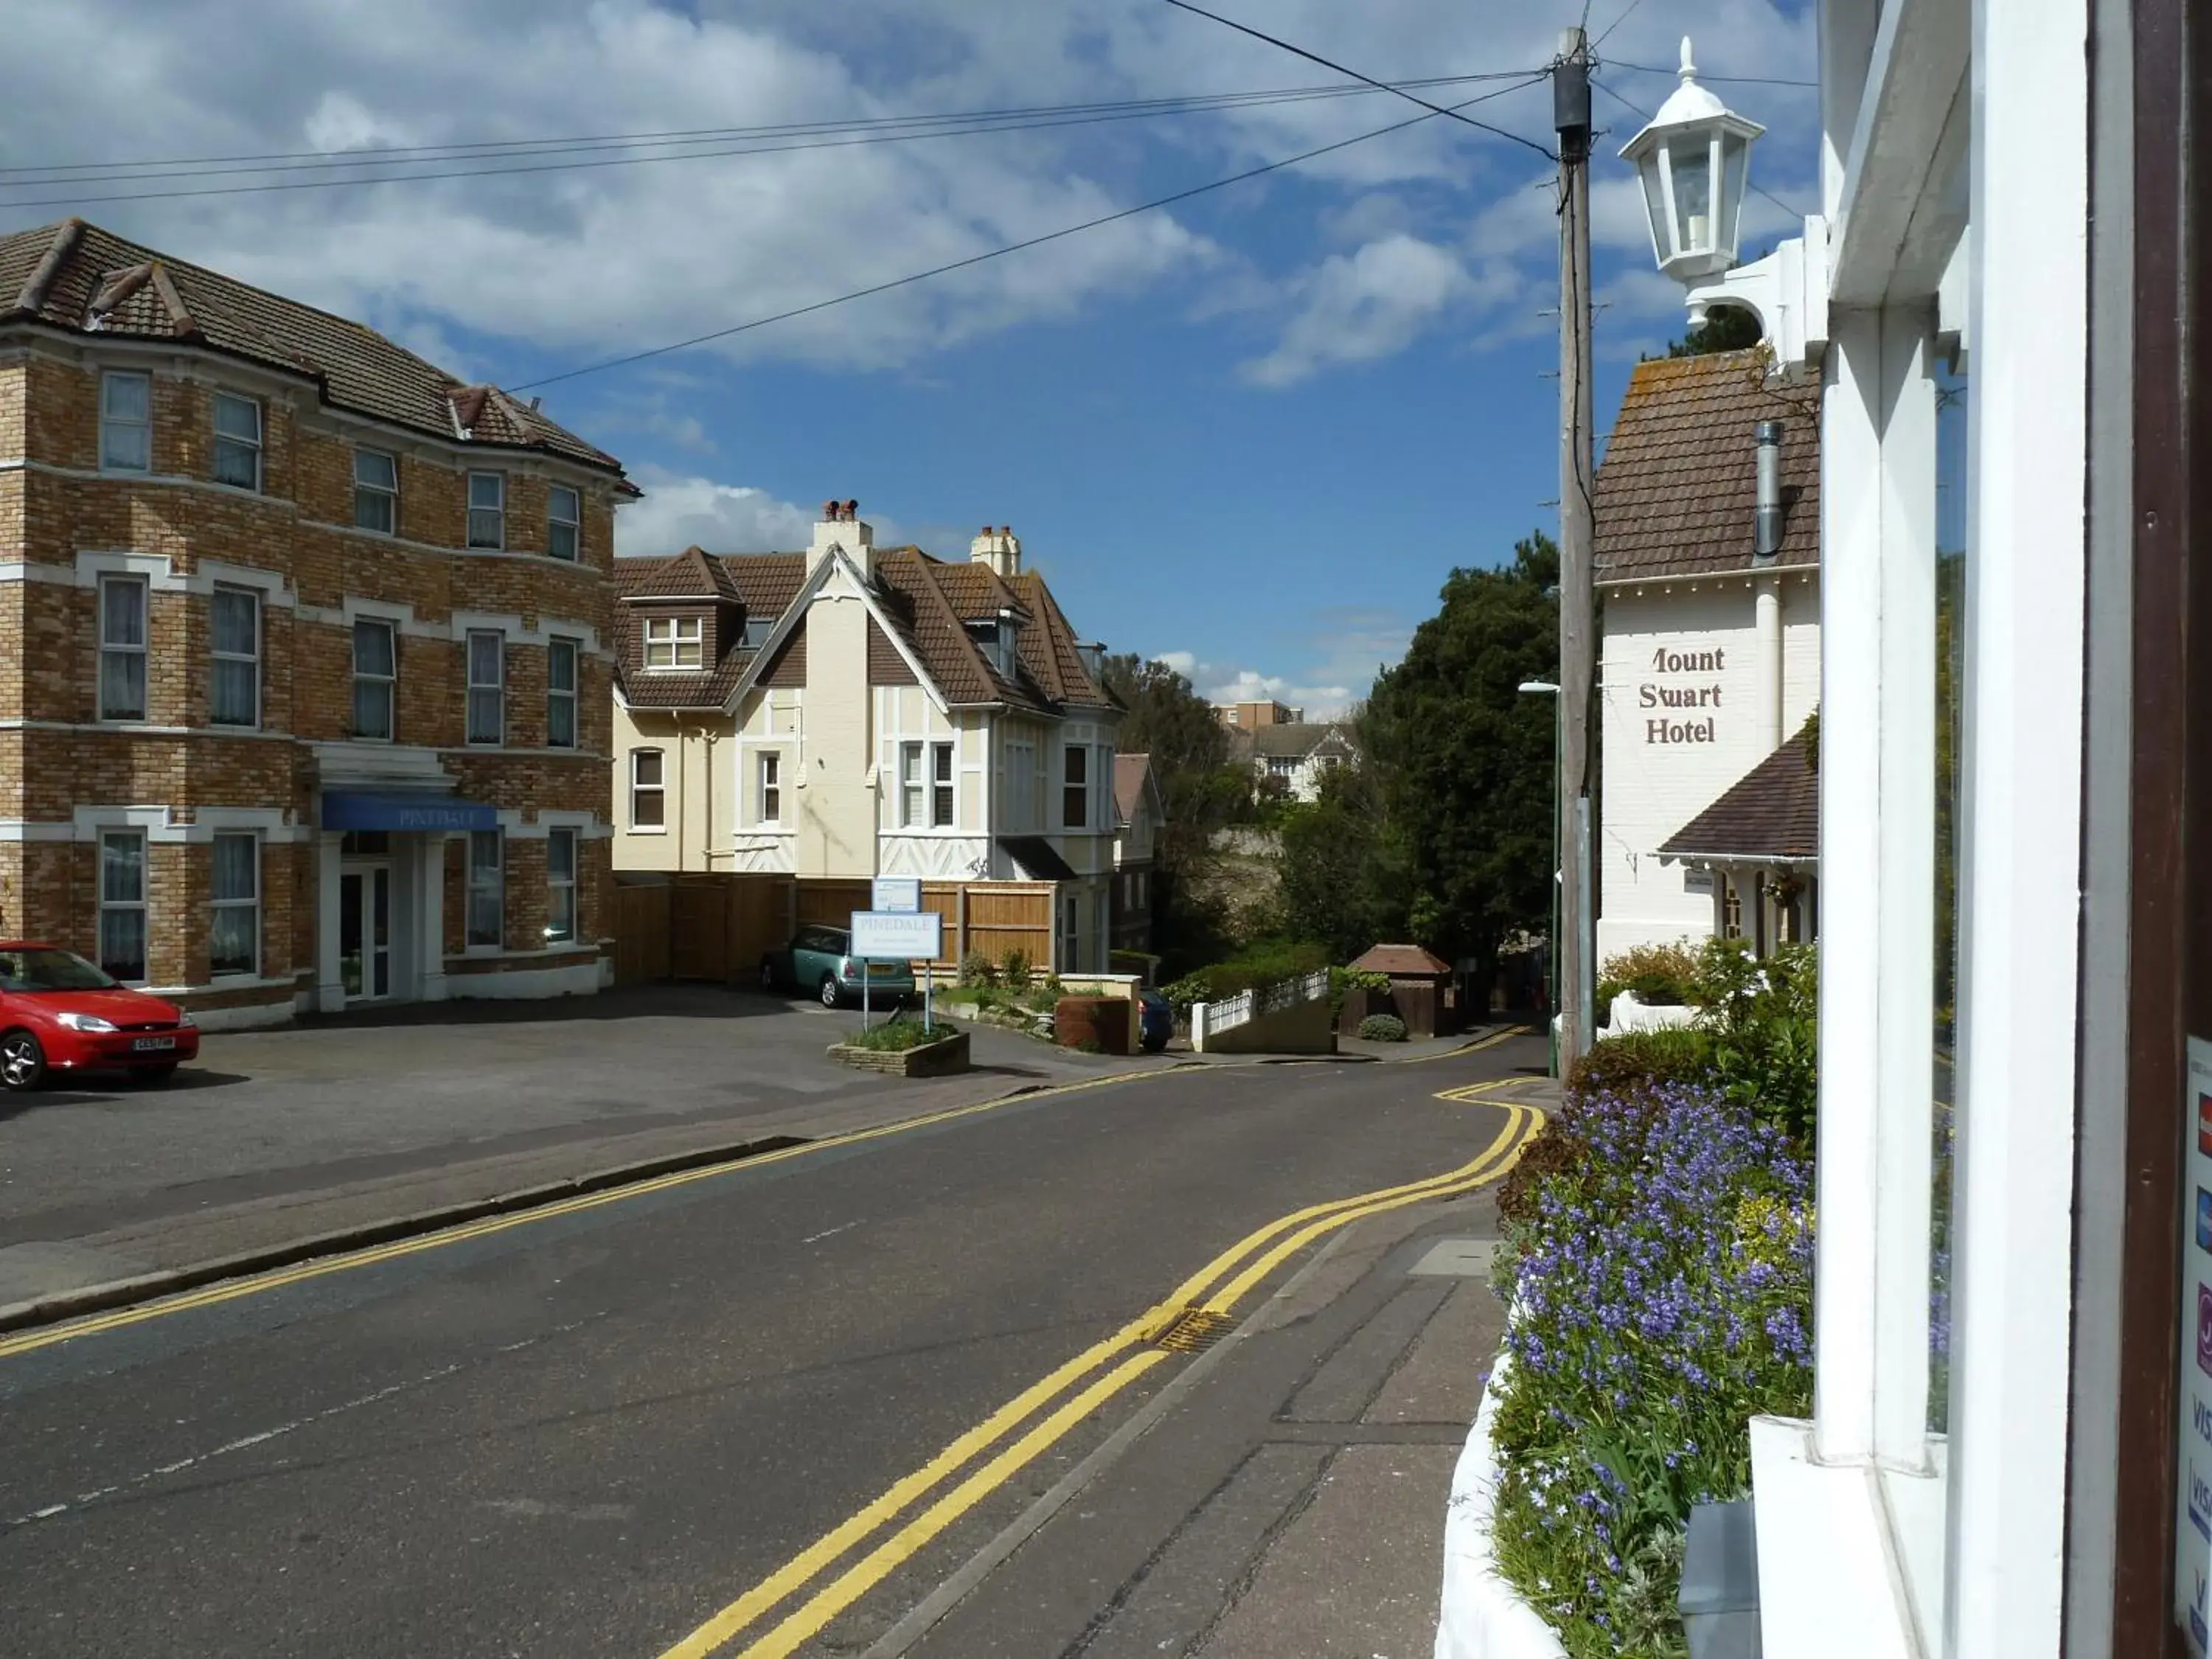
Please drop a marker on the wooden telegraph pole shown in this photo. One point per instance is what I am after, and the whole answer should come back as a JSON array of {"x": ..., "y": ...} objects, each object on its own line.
[{"x": 1571, "y": 107}]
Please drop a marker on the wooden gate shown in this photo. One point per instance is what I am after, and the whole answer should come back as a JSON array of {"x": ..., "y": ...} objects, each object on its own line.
[{"x": 642, "y": 933}]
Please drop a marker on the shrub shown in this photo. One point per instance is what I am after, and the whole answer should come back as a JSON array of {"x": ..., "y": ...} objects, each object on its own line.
[
  {"x": 1661, "y": 966},
  {"x": 1265, "y": 964},
  {"x": 976, "y": 971},
  {"x": 1016, "y": 974},
  {"x": 1636, "y": 1060},
  {"x": 1762, "y": 1015},
  {"x": 1662, "y": 1285},
  {"x": 896, "y": 1034},
  {"x": 1382, "y": 1028}
]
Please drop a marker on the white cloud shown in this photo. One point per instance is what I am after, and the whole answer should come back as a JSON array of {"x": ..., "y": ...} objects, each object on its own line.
[
  {"x": 679, "y": 512},
  {"x": 1353, "y": 308}
]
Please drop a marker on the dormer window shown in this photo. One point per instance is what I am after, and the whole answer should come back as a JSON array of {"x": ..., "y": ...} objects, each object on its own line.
[
  {"x": 995, "y": 637},
  {"x": 676, "y": 643},
  {"x": 757, "y": 629}
]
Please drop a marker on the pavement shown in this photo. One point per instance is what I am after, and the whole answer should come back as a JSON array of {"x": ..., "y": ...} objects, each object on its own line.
[
  {"x": 314, "y": 1131},
  {"x": 1169, "y": 1365}
]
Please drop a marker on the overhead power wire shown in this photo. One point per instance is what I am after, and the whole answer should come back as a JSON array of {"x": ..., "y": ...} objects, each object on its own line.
[
  {"x": 1380, "y": 86},
  {"x": 1727, "y": 80},
  {"x": 1637, "y": 109},
  {"x": 713, "y": 335},
  {"x": 750, "y": 140},
  {"x": 1616, "y": 24}
]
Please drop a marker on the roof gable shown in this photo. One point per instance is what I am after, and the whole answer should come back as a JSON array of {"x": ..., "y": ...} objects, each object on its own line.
[{"x": 1772, "y": 812}]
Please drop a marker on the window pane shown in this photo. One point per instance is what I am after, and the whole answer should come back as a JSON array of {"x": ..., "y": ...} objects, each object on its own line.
[
  {"x": 561, "y": 913},
  {"x": 237, "y": 621},
  {"x": 1076, "y": 759},
  {"x": 123, "y": 944},
  {"x": 561, "y": 721},
  {"x": 484, "y": 916},
  {"x": 943, "y": 761},
  {"x": 561, "y": 854},
  {"x": 126, "y": 448},
  {"x": 231, "y": 948},
  {"x": 372, "y": 648},
  {"x": 485, "y": 723},
  {"x": 644, "y": 808},
  {"x": 236, "y": 700},
  {"x": 486, "y": 529},
  {"x": 487, "y": 489},
  {"x": 126, "y": 397},
  {"x": 122, "y": 869},
  {"x": 237, "y": 417},
  {"x": 484, "y": 654},
  {"x": 646, "y": 767},
  {"x": 372, "y": 709},
  {"x": 375, "y": 470},
  {"x": 123, "y": 686},
  {"x": 372, "y": 510},
  {"x": 560, "y": 666},
  {"x": 122, "y": 613},
  {"x": 237, "y": 464},
  {"x": 236, "y": 871}
]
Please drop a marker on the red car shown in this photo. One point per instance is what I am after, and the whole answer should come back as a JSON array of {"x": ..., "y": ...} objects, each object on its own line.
[{"x": 59, "y": 1013}]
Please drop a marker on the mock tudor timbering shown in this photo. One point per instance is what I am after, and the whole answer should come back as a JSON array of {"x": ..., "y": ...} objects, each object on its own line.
[{"x": 264, "y": 575}]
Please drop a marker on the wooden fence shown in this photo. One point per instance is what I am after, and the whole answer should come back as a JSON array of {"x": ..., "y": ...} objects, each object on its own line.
[{"x": 717, "y": 927}]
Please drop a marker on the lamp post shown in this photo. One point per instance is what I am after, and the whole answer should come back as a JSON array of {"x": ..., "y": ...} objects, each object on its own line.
[
  {"x": 1694, "y": 162},
  {"x": 1546, "y": 689}
]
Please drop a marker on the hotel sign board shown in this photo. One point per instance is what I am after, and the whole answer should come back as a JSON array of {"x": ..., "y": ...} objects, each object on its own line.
[
  {"x": 900, "y": 895},
  {"x": 891, "y": 936},
  {"x": 2192, "y": 1529}
]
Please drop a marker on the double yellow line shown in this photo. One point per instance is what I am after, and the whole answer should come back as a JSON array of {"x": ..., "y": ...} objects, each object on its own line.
[{"x": 1211, "y": 1295}]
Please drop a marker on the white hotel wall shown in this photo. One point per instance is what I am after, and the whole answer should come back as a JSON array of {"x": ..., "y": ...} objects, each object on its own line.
[{"x": 1652, "y": 789}]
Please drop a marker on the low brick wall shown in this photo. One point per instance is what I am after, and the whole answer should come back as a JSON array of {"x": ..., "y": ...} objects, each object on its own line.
[{"x": 931, "y": 1059}]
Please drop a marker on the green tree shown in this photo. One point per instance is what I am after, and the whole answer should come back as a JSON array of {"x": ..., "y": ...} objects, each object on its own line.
[
  {"x": 1726, "y": 328},
  {"x": 1339, "y": 861},
  {"x": 1463, "y": 758}
]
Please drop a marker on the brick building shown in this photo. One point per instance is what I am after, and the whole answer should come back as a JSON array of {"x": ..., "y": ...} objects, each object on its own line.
[{"x": 304, "y": 683}]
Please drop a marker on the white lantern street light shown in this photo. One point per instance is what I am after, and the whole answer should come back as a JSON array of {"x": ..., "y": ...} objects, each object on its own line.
[{"x": 1694, "y": 161}]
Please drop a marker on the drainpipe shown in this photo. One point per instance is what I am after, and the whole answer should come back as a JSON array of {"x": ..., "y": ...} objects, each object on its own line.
[{"x": 1766, "y": 605}]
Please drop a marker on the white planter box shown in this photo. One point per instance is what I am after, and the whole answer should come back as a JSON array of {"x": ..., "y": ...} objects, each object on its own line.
[{"x": 1483, "y": 1617}]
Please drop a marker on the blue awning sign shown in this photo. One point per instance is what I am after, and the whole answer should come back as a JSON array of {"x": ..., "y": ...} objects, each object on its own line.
[{"x": 404, "y": 810}]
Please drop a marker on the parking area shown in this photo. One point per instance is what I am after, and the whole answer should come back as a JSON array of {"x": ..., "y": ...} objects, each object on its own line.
[{"x": 357, "y": 1100}]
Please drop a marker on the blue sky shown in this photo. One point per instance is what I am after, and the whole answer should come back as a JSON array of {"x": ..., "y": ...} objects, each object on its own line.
[{"x": 1251, "y": 434}]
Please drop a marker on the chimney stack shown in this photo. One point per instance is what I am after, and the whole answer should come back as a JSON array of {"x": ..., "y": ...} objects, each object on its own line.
[
  {"x": 999, "y": 548},
  {"x": 1767, "y": 531},
  {"x": 841, "y": 526}
]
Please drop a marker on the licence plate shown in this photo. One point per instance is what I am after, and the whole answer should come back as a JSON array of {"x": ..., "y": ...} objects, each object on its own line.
[
  {"x": 148, "y": 1045},
  {"x": 882, "y": 970}
]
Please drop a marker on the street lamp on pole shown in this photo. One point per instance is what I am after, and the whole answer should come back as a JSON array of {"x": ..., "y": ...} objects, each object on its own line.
[{"x": 1547, "y": 688}]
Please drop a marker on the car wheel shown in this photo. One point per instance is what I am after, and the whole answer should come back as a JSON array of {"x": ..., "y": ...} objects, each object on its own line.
[
  {"x": 831, "y": 996},
  {"x": 22, "y": 1062},
  {"x": 149, "y": 1075}
]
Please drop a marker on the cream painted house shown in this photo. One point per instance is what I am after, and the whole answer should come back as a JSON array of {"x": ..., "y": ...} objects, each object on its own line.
[
  {"x": 850, "y": 712},
  {"x": 1709, "y": 660}
]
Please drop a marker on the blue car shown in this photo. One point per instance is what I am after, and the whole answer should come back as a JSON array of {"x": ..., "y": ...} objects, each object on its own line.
[{"x": 1155, "y": 1021}]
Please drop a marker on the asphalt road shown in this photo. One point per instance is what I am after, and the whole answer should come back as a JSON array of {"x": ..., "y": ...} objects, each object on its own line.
[{"x": 588, "y": 1433}]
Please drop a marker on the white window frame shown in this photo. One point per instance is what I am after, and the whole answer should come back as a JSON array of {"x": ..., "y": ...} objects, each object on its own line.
[
  {"x": 944, "y": 786},
  {"x": 767, "y": 796},
  {"x": 671, "y": 635},
  {"x": 494, "y": 512},
  {"x": 112, "y": 423},
  {"x": 253, "y": 446},
  {"x": 574, "y": 523},
  {"x": 472, "y": 888},
  {"x": 123, "y": 906},
  {"x": 558, "y": 648},
  {"x": 388, "y": 682},
  {"x": 913, "y": 786},
  {"x": 386, "y": 495},
  {"x": 252, "y": 659},
  {"x": 494, "y": 688},
  {"x": 252, "y": 903},
  {"x": 658, "y": 789},
  {"x": 140, "y": 588},
  {"x": 557, "y": 884}
]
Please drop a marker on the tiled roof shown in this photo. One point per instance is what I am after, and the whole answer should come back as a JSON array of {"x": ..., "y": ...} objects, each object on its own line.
[
  {"x": 1677, "y": 494},
  {"x": 1296, "y": 739},
  {"x": 1773, "y": 811},
  {"x": 1132, "y": 773},
  {"x": 926, "y": 602},
  {"x": 1401, "y": 962},
  {"x": 77, "y": 277}
]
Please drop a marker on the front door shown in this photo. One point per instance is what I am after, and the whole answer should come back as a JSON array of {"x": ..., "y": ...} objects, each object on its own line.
[{"x": 365, "y": 931}]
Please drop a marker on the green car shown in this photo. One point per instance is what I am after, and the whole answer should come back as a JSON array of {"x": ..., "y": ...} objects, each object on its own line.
[{"x": 815, "y": 963}]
